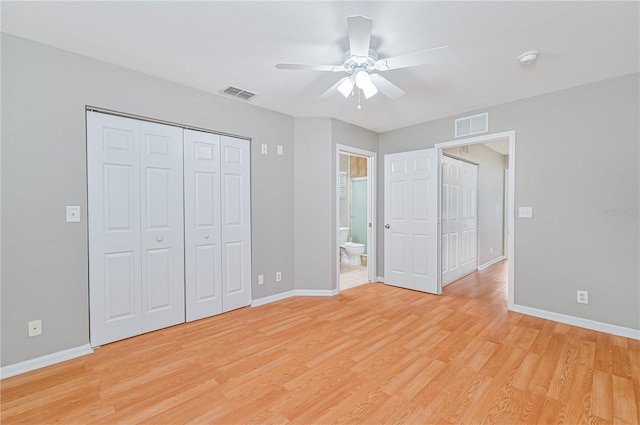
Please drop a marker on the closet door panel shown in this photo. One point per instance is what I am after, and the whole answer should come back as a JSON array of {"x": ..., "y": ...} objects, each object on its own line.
[
  {"x": 162, "y": 229},
  {"x": 236, "y": 223},
  {"x": 203, "y": 256},
  {"x": 114, "y": 228}
]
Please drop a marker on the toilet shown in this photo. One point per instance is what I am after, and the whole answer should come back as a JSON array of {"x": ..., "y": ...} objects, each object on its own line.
[{"x": 350, "y": 252}]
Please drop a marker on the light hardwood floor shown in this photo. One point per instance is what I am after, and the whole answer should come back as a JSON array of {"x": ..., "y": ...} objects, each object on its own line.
[{"x": 373, "y": 354}]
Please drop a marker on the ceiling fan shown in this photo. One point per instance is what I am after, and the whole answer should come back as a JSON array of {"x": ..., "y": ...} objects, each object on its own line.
[{"x": 362, "y": 64}]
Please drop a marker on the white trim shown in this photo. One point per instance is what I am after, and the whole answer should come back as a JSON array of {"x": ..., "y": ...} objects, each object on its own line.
[
  {"x": 48, "y": 360},
  {"x": 380, "y": 279},
  {"x": 273, "y": 298},
  {"x": 491, "y": 262},
  {"x": 316, "y": 292},
  {"x": 294, "y": 293},
  {"x": 372, "y": 191},
  {"x": 511, "y": 135},
  {"x": 578, "y": 321}
]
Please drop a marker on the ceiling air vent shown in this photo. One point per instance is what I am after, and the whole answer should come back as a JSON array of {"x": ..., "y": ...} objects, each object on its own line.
[
  {"x": 474, "y": 124},
  {"x": 239, "y": 93}
]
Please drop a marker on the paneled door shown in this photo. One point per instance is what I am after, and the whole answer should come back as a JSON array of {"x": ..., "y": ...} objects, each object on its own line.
[
  {"x": 217, "y": 224},
  {"x": 136, "y": 270},
  {"x": 203, "y": 236},
  {"x": 162, "y": 228},
  {"x": 235, "y": 173},
  {"x": 411, "y": 226},
  {"x": 459, "y": 218}
]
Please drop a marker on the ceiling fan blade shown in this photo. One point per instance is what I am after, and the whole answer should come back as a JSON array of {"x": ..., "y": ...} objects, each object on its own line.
[
  {"x": 422, "y": 57},
  {"x": 332, "y": 90},
  {"x": 359, "y": 35},
  {"x": 386, "y": 87},
  {"x": 309, "y": 67}
]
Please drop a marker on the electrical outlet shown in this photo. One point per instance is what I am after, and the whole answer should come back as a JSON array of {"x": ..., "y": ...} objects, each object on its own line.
[
  {"x": 260, "y": 279},
  {"x": 583, "y": 297},
  {"x": 280, "y": 150},
  {"x": 525, "y": 212},
  {"x": 35, "y": 328},
  {"x": 278, "y": 276},
  {"x": 264, "y": 149}
]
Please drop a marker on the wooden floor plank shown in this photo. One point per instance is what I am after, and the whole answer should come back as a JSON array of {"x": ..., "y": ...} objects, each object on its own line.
[{"x": 372, "y": 354}]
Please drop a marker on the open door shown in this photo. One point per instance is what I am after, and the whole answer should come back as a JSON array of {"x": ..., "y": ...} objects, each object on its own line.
[{"x": 411, "y": 220}]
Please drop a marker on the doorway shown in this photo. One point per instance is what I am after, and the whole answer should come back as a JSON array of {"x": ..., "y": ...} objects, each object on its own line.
[
  {"x": 495, "y": 240},
  {"x": 355, "y": 212},
  {"x": 413, "y": 199}
]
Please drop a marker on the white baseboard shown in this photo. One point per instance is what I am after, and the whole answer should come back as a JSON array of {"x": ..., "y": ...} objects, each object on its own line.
[
  {"x": 272, "y": 298},
  {"x": 48, "y": 360},
  {"x": 316, "y": 292},
  {"x": 491, "y": 262},
  {"x": 294, "y": 293},
  {"x": 380, "y": 279},
  {"x": 578, "y": 321}
]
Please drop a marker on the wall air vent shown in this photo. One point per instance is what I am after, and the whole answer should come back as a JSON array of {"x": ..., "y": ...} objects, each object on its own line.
[
  {"x": 239, "y": 93},
  {"x": 474, "y": 124}
]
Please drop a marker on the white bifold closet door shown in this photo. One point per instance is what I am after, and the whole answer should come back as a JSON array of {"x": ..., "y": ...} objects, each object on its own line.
[
  {"x": 217, "y": 224},
  {"x": 459, "y": 219},
  {"x": 136, "y": 260}
]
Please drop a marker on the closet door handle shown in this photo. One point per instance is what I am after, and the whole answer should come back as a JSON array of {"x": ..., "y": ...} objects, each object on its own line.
[
  {"x": 159, "y": 239},
  {"x": 206, "y": 236},
  {"x": 387, "y": 226}
]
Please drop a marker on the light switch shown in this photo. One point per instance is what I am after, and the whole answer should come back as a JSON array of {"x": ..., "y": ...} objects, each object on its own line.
[
  {"x": 264, "y": 149},
  {"x": 525, "y": 212},
  {"x": 73, "y": 214},
  {"x": 280, "y": 150}
]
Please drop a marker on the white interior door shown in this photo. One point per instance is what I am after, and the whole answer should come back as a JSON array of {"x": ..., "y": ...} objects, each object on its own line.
[
  {"x": 236, "y": 222},
  {"x": 114, "y": 227},
  {"x": 161, "y": 226},
  {"x": 203, "y": 255},
  {"x": 136, "y": 266},
  {"x": 459, "y": 218},
  {"x": 411, "y": 226}
]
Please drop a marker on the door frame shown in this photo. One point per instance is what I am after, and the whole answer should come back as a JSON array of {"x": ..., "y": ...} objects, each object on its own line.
[
  {"x": 372, "y": 185},
  {"x": 511, "y": 136}
]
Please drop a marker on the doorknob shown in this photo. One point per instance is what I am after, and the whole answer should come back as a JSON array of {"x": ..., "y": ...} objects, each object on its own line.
[
  {"x": 159, "y": 239},
  {"x": 387, "y": 226},
  {"x": 206, "y": 236}
]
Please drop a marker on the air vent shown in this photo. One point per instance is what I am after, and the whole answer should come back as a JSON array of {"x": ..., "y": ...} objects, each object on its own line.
[
  {"x": 239, "y": 93},
  {"x": 474, "y": 124}
]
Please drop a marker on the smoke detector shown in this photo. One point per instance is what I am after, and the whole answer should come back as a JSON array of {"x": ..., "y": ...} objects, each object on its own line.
[{"x": 529, "y": 57}]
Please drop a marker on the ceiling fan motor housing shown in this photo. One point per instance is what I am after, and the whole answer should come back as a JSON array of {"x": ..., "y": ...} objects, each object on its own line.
[{"x": 352, "y": 63}]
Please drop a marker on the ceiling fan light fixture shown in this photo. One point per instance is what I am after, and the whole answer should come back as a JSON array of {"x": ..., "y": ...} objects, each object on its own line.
[
  {"x": 362, "y": 79},
  {"x": 346, "y": 87},
  {"x": 369, "y": 90}
]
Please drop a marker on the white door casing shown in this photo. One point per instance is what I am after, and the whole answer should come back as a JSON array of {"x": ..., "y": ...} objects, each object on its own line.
[
  {"x": 411, "y": 220},
  {"x": 203, "y": 262},
  {"x": 235, "y": 172},
  {"x": 458, "y": 218}
]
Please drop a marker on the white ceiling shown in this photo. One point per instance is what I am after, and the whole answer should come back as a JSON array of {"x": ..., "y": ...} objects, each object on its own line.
[{"x": 210, "y": 45}]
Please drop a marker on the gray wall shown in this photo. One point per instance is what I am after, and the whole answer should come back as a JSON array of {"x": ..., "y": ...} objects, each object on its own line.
[
  {"x": 576, "y": 158},
  {"x": 315, "y": 192},
  {"x": 313, "y": 205},
  {"x": 491, "y": 168},
  {"x": 45, "y": 260}
]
